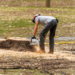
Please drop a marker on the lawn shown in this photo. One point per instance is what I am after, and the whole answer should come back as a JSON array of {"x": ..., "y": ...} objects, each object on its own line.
[{"x": 16, "y": 17}]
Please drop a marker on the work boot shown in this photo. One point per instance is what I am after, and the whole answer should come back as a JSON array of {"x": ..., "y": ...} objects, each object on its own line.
[{"x": 51, "y": 49}]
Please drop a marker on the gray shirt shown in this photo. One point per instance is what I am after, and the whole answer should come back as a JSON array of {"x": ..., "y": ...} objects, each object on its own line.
[{"x": 43, "y": 20}]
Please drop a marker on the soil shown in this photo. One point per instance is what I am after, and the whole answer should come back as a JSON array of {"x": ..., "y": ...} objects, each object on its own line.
[{"x": 16, "y": 53}]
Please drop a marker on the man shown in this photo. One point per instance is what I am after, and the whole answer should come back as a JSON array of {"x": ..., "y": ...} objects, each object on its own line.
[{"x": 50, "y": 24}]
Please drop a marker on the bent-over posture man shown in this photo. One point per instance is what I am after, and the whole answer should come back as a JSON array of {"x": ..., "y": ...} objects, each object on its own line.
[{"x": 50, "y": 24}]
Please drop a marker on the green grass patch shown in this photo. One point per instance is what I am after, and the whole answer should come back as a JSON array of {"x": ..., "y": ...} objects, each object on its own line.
[
  {"x": 16, "y": 27},
  {"x": 21, "y": 71},
  {"x": 35, "y": 72},
  {"x": 22, "y": 23}
]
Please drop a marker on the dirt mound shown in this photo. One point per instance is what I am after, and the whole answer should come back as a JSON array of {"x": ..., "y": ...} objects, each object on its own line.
[{"x": 17, "y": 44}]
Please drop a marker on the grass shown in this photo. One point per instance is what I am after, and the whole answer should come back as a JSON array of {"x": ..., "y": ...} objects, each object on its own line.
[
  {"x": 18, "y": 20},
  {"x": 21, "y": 72},
  {"x": 35, "y": 72}
]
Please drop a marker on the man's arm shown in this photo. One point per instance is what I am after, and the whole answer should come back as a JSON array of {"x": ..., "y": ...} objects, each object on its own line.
[{"x": 35, "y": 29}]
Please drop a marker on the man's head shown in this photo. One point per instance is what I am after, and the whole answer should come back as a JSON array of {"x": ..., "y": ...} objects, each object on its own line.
[{"x": 33, "y": 20}]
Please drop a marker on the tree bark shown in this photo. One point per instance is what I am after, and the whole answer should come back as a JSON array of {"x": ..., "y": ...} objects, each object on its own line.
[{"x": 47, "y": 3}]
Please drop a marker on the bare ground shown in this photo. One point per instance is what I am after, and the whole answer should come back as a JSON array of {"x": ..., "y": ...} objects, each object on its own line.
[{"x": 16, "y": 53}]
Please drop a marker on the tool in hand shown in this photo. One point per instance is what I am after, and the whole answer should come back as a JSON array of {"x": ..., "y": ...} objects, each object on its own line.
[{"x": 34, "y": 41}]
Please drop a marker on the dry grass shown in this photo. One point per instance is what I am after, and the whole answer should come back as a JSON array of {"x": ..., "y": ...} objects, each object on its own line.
[
  {"x": 16, "y": 16},
  {"x": 54, "y": 3}
]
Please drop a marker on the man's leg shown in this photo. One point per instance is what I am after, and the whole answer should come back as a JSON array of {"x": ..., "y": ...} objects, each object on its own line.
[
  {"x": 42, "y": 37},
  {"x": 43, "y": 33},
  {"x": 51, "y": 38}
]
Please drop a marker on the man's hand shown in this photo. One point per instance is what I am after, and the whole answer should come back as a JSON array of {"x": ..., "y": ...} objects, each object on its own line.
[{"x": 33, "y": 37}]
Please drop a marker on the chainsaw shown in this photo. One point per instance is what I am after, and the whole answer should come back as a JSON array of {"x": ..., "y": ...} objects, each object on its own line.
[{"x": 34, "y": 41}]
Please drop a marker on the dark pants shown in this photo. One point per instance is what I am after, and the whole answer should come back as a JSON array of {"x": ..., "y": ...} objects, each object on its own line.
[{"x": 51, "y": 26}]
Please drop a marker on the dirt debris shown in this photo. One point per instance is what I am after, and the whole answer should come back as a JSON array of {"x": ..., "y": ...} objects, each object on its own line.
[
  {"x": 40, "y": 63},
  {"x": 16, "y": 53},
  {"x": 17, "y": 44}
]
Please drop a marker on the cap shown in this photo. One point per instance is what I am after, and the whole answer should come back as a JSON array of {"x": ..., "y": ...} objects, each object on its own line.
[{"x": 35, "y": 17}]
